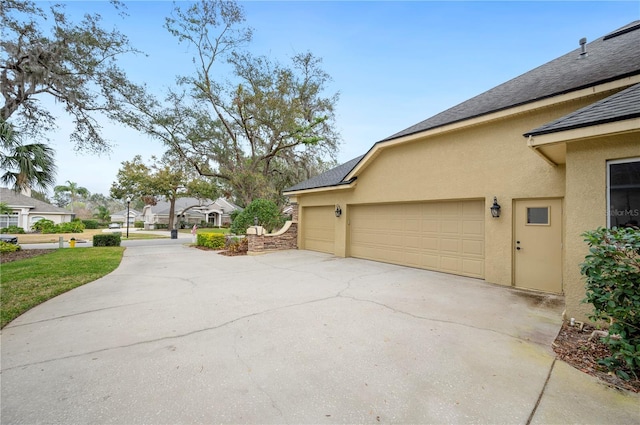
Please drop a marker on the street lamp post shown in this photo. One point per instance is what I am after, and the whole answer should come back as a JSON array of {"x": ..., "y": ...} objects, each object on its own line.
[{"x": 128, "y": 204}]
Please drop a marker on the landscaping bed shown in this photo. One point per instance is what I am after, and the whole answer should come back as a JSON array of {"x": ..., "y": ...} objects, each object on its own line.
[
  {"x": 573, "y": 347},
  {"x": 23, "y": 254}
]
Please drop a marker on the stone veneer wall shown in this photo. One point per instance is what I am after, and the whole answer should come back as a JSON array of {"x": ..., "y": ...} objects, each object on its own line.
[{"x": 285, "y": 238}]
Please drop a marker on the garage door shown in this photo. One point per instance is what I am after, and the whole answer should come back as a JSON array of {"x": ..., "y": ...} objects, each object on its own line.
[
  {"x": 318, "y": 228},
  {"x": 442, "y": 236}
]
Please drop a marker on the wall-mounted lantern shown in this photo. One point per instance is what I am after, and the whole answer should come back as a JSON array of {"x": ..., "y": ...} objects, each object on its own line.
[
  {"x": 255, "y": 220},
  {"x": 495, "y": 208},
  {"x": 338, "y": 211}
]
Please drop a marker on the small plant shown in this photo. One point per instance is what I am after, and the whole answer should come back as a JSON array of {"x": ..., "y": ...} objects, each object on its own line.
[
  {"x": 211, "y": 240},
  {"x": 9, "y": 247},
  {"x": 612, "y": 271},
  {"x": 108, "y": 239},
  {"x": 237, "y": 245},
  {"x": 13, "y": 230}
]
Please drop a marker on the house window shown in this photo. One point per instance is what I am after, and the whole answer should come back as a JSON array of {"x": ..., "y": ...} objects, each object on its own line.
[
  {"x": 7, "y": 220},
  {"x": 538, "y": 215},
  {"x": 623, "y": 184}
]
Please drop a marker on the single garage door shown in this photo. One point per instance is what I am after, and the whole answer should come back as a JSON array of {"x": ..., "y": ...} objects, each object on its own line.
[
  {"x": 441, "y": 236},
  {"x": 318, "y": 228}
]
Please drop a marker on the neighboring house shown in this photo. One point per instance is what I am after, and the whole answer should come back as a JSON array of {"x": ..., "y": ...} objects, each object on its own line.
[
  {"x": 119, "y": 217},
  {"x": 558, "y": 148},
  {"x": 190, "y": 211},
  {"x": 27, "y": 211}
]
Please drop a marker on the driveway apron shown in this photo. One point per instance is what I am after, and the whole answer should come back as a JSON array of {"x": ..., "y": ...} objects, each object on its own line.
[{"x": 178, "y": 335}]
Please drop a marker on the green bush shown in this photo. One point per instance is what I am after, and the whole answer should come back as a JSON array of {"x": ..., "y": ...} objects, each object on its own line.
[
  {"x": 14, "y": 230},
  {"x": 268, "y": 214},
  {"x": 90, "y": 224},
  {"x": 138, "y": 224},
  {"x": 44, "y": 226},
  {"x": 612, "y": 271},
  {"x": 211, "y": 240},
  {"x": 9, "y": 247},
  {"x": 75, "y": 226},
  {"x": 108, "y": 239}
]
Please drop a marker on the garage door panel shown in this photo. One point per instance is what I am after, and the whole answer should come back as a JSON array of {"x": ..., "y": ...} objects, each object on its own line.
[
  {"x": 318, "y": 228},
  {"x": 443, "y": 236}
]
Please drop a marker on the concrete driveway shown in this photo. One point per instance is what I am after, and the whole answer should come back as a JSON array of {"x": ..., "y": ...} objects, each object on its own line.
[{"x": 177, "y": 335}]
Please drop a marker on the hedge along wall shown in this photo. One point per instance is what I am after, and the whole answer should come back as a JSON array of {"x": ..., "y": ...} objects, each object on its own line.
[{"x": 211, "y": 240}]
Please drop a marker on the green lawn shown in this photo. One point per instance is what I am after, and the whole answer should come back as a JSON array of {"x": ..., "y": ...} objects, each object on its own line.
[{"x": 27, "y": 283}]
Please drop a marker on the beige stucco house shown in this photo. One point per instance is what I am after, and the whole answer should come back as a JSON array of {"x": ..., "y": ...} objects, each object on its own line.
[
  {"x": 26, "y": 211},
  {"x": 557, "y": 148}
]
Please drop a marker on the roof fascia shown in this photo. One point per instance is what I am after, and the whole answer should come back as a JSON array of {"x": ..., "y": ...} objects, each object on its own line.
[
  {"x": 321, "y": 189},
  {"x": 492, "y": 116},
  {"x": 582, "y": 133}
]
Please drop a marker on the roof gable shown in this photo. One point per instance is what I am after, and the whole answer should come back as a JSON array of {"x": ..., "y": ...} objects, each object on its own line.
[
  {"x": 620, "y": 106},
  {"x": 14, "y": 199}
]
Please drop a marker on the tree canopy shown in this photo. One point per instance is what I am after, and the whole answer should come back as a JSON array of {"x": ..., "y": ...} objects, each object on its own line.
[
  {"x": 261, "y": 128},
  {"x": 166, "y": 177},
  {"x": 26, "y": 166},
  {"x": 43, "y": 53}
]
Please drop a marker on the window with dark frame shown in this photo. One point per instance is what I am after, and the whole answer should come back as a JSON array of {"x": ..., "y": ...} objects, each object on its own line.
[{"x": 624, "y": 193}]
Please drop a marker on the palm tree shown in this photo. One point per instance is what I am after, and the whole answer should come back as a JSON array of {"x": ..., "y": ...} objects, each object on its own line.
[
  {"x": 103, "y": 214},
  {"x": 27, "y": 165},
  {"x": 73, "y": 190}
]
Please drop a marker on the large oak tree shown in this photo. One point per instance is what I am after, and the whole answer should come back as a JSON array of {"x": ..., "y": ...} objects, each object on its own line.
[{"x": 252, "y": 123}]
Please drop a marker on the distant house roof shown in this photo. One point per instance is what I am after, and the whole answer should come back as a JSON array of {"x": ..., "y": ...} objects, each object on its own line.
[
  {"x": 608, "y": 58},
  {"x": 16, "y": 199},
  {"x": 163, "y": 207},
  {"x": 623, "y": 105},
  {"x": 333, "y": 177}
]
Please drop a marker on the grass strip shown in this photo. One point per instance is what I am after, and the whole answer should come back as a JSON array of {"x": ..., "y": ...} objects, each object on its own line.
[{"x": 27, "y": 283}]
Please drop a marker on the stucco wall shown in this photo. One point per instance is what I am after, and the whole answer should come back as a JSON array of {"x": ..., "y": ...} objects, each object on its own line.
[
  {"x": 586, "y": 205},
  {"x": 479, "y": 162}
]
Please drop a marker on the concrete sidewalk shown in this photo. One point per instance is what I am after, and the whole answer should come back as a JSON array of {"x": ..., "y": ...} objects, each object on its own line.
[{"x": 178, "y": 335}]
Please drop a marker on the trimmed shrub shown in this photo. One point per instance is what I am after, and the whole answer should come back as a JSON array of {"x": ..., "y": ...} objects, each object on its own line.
[
  {"x": 211, "y": 240},
  {"x": 9, "y": 247},
  {"x": 138, "y": 224},
  {"x": 44, "y": 226},
  {"x": 108, "y": 239},
  {"x": 268, "y": 214},
  {"x": 13, "y": 230},
  {"x": 75, "y": 226},
  {"x": 612, "y": 271},
  {"x": 90, "y": 224}
]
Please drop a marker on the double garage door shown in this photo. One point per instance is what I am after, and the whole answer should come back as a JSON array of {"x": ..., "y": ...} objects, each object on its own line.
[{"x": 441, "y": 236}]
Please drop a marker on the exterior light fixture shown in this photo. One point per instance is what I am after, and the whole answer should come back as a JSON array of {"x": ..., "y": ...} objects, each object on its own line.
[
  {"x": 495, "y": 208},
  {"x": 338, "y": 211},
  {"x": 255, "y": 220}
]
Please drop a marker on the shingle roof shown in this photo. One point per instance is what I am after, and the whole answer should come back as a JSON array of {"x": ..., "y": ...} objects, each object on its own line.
[
  {"x": 163, "y": 207},
  {"x": 608, "y": 58},
  {"x": 12, "y": 198},
  {"x": 620, "y": 106},
  {"x": 333, "y": 177}
]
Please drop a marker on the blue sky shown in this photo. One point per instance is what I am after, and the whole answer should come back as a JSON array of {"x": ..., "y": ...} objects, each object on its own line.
[{"x": 393, "y": 63}]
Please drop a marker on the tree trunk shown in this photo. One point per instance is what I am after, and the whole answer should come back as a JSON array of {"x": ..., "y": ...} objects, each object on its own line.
[{"x": 172, "y": 211}]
